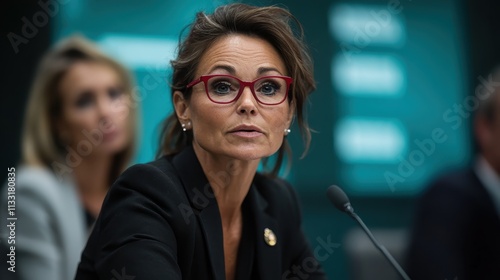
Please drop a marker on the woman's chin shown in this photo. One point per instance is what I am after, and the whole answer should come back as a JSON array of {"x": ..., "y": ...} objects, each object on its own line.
[
  {"x": 111, "y": 148},
  {"x": 250, "y": 154}
]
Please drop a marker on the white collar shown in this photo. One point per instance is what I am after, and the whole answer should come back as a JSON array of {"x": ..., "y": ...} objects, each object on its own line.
[{"x": 490, "y": 180}]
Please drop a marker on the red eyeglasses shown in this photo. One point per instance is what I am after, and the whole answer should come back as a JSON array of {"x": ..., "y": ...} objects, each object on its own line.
[{"x": 225, "y": 89}]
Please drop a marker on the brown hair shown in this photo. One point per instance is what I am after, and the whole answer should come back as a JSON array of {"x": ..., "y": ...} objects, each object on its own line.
[
  {"x": 41, "y": 143},
  {"x": 272, "y": 24}
]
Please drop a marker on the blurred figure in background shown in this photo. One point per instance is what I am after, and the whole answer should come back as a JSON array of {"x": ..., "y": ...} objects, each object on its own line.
[
  {"x": 78, "y": 136},
  {"x": 457, "y": 229}
]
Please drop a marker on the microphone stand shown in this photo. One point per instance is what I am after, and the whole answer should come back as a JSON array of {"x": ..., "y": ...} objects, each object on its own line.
[{"x": 383, "y": 250}]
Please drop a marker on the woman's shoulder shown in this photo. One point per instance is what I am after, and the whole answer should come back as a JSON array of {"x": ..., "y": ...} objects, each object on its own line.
[
  {"x": 141, "y": 190},
  {"x": 40, "y": 194},
  {"x": 38, "y": 179},
  {"x": 158, "y": 170},
  {"x": 154, "y": 179},
  {"x": 27, "y": 172}
]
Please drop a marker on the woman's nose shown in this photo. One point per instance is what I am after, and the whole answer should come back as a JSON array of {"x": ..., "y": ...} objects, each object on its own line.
[{"x": 247, "y": 102}]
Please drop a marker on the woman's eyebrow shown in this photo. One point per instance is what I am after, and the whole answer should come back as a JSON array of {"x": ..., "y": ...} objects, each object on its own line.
[
  {"x": 231, "y": 70},
  {"x": 228, "y": 68},
  {"x": 263, "y": 70}
]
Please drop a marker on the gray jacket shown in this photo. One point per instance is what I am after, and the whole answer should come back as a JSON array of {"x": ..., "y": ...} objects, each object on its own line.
[{"x": 50, "y": 230}]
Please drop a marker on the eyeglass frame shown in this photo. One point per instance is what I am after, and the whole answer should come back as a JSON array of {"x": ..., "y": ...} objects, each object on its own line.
[{"x": 243, "y": 85}]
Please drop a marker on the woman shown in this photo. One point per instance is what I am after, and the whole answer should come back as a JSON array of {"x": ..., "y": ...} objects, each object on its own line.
[
  {"x": 77, "y": 138},
  {"x": 202, "y": 211}
]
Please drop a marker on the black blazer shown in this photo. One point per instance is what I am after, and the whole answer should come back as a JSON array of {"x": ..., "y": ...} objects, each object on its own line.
[
  {"x": 161, "y": 221},
  {"x": 457, "y": 231}
]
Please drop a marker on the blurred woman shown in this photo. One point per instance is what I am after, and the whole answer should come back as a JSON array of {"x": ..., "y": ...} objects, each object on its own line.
[{"x": 78, "y": 136}]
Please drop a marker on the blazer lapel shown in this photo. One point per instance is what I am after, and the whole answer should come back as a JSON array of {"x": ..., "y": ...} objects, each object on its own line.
[
  {"x": 204, "y": 206},
  {"x": 268, "y": 259},
  {"x": 212, "y": 227}
]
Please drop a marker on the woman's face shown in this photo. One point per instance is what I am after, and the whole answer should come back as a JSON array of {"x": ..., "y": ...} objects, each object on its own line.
[
  {"x": 244, "y": 129},
  {"x": 95, "y": 110}
]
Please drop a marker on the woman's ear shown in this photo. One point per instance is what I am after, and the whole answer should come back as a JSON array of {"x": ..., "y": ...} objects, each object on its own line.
[{"x": 181, "y": 106}]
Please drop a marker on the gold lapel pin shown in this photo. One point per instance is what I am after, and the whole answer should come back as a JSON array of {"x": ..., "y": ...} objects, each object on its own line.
[{"x": 269, "y": 237}]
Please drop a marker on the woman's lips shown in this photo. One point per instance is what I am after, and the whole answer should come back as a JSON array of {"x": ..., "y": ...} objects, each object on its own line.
[
  {"x": 247, "y": 134},
  {"x": 246, "y": 131},
  {"x": 110, "y": 136}
]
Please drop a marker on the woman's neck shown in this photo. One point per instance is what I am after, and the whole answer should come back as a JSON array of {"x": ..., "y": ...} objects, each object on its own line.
[
  {"x": 230, "y": 180},
  {"x": 92, "y": 180}
]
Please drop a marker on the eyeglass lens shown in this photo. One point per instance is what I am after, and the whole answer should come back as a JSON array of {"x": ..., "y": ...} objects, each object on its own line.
[{"x": 270, "y": 90}]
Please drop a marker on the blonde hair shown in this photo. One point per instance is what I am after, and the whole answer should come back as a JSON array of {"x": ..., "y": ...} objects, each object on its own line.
[{"x": 41, "y": 144}]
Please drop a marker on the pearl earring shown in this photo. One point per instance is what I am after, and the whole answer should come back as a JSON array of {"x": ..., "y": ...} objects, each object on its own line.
[
  {"x": 287, "y": 131},
  {"x": 185, "y": 126}
]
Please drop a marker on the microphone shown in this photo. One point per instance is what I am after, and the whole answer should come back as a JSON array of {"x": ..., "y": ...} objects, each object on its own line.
[{"x": 338, "y": 197}]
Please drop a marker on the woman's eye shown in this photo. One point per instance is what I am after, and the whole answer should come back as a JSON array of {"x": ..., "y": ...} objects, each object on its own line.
[
  {"x": 84, "y": 100},
  {"x": 222, "y": 87},
  {"x": 115, "y": 92},
  {"x": 269, "y": 88}
]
